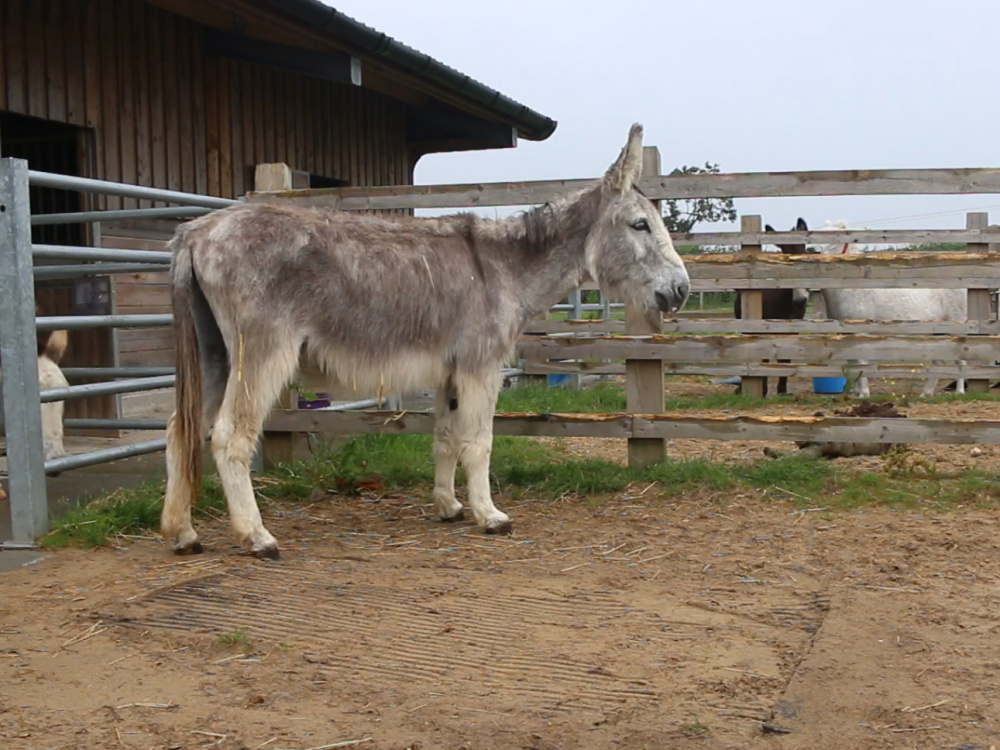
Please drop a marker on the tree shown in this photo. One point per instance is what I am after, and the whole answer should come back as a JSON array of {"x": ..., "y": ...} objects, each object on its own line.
[{"x": 680, "y": 215}]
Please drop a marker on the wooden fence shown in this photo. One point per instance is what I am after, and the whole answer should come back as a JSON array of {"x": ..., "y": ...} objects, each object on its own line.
[{"x": 695, "y": 345}]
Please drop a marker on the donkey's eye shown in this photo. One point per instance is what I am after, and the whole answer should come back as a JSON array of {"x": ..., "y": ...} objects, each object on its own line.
[{"x": 641, "y": 225}]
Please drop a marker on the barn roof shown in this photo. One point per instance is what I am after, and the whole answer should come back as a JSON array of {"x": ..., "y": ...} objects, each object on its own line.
[{"x": 376, "y": 45}]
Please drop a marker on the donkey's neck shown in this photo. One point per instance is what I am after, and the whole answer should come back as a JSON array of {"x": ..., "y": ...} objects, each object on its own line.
[{"x": 545, "y": 249}]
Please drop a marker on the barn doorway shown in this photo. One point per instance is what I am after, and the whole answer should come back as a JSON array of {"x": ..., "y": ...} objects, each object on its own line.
[{"x": 50, "y": 146}]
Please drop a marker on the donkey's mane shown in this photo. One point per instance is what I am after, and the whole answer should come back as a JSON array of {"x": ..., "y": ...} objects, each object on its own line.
[{"x": 539, "y": 229}]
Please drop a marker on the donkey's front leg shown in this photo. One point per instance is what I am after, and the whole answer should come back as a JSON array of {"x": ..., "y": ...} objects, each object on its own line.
[{"x": 474, "y": 433}]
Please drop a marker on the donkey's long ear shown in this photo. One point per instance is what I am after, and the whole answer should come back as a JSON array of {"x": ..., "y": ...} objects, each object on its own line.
[
  {"x": 628, "y": 166},
  {"x": 801, "y": 226}
]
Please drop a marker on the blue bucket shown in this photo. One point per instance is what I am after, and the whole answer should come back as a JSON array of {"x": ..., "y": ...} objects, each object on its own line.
[
  {"x": 829, "y": 385},
  {"x": 558, "y": 380}
]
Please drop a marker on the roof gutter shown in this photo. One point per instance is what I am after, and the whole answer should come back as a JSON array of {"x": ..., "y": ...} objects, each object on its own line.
[{"x": 529, "y": 123}]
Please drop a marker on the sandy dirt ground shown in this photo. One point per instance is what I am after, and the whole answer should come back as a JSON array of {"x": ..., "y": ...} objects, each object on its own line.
[{"x": 709, "y": 620}]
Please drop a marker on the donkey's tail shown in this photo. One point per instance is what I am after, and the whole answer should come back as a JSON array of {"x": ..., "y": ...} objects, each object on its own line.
[{"x": 187, "y": 418}]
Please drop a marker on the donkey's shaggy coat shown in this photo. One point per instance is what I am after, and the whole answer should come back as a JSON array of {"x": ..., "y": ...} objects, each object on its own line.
[{"x": 385, "y": 303}]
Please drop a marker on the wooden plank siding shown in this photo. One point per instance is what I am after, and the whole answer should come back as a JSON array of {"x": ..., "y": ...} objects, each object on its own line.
[
  {"x": 167, "y": 115},
  {"x": 164, "y": 114}
]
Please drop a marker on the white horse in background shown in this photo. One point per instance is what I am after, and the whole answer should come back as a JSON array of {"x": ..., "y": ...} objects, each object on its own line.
[{"x": 891, "y": 304}]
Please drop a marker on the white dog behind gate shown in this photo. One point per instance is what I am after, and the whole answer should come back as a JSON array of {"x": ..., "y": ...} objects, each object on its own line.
[{"x": 50, "y": 352}]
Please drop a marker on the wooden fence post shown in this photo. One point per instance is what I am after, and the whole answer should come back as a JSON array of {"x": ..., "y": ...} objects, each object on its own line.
[
  {"x": 644, "y": 377},
  {"x": 979, "y": 299},
  {"x": 751, "y": 307},
  {"x": 277, "y": 447}
]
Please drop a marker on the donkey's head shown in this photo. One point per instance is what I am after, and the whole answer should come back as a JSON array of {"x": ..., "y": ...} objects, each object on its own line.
[{"x": 629, "y": 252}]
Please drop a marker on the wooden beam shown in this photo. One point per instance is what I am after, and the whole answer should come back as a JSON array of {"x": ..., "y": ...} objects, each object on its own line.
[
  {"x": 644, "y": 390},
  {"x": 837, "y": 237},
  {"x": 802, "y": 348},
  {"x": 694, "y": 326},
  {"x": 720, "y": 272},
  {"x": 329, "y": 66},
  {"x": 277, "y": 447},
  {"x": 660, "y": 426},
  {"x": 890, "y": 328},
  {"x": 773, "y": 370},
  {"x": 748, "y": 185},
  {"x": 979, "y": 299},
  {"x": 751, "y": 305}
]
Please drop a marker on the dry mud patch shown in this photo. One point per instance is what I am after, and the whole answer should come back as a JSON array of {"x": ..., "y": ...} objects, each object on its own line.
[{"x": 630, "y": 623}]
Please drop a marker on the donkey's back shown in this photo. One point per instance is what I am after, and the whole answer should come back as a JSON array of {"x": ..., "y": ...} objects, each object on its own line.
[{"x": 375, "y": 302}]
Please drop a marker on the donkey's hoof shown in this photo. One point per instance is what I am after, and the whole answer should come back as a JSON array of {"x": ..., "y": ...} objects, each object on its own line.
[
  {"x": 460, "y": 515},
  {"x": 501, "y": 529},
  {"x": 269, "y": 552},
  {"x": 191, "y": 548}
]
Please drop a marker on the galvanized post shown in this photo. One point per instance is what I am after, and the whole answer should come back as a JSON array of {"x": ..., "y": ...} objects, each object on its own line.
[
  {"x": 576, "y": 299},
  {"x": 19, "y": 358}
]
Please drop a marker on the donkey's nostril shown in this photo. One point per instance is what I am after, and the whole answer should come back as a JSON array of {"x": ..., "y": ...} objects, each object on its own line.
[
  {"x": 682, "y": 289},
  {"x": 663, "y": 302}
]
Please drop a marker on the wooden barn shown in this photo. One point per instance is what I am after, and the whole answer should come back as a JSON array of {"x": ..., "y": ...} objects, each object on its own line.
[{"x": 192, "y": 95}]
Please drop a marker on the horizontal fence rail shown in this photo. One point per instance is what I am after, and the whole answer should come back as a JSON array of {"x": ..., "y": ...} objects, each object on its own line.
[
  {"x": 745, "y": 185},
  {"x": 823, "y": 429},
  {"x": 696, "y": 326},
  {"x": 840, "y": 237},
  {"x": 724, "y": 272},
  {"x": 90, "y": 390},
  {"x": 82, "y": 322},
  {"x": 95, "y": 269},
  {"x": 773, "y": 369},
  {"x": 749, "y": 348},
  {"x": 88, "y": 185},
  {"x": 92, "y": 217},
  {"x": 99, "y": 253},
  {"x": 115, "y": 424},
  {"x": 103, "y": 456},
  {"x": 116, "y": 372}
]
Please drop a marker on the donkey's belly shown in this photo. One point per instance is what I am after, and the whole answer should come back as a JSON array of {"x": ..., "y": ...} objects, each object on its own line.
[{"x": 347, "y": 376}]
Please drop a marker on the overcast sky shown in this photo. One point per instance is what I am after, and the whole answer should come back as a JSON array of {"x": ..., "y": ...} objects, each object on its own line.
[{"x": 768, "y": 85}]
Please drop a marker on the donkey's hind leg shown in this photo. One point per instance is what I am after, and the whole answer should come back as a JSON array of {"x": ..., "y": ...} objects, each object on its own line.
[
  {"x": 175, "y": 520},
  {"x": 446, "y": 450},
  {"x": 250, "y": 394},
  {"x": 473, "y": 434}
]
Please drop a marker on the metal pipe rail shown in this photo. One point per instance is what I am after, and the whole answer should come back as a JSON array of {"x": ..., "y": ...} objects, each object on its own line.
[
  {"x": 115, "y": 424},
  {"x": 116, "y": 372},
  {"x": 92, "y": 217},
  {"x": 77, "y": 270},
  {"x": 83, "y": 322},
  {"x": 99, "y": 253},
  {"x": 79, "y": 460},
  {"x": 88, "y": 185},
  {"x": 89, "y": 390}
]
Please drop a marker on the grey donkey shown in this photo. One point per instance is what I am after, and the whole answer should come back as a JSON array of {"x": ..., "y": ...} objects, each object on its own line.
[{"x": 390, "y": 303}]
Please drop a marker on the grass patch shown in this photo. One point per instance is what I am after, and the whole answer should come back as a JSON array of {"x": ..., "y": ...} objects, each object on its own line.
[
  {"x": 234, "y": 638},
  {"x": 609, "y": 397},
  {"x": 602, "y": 397},
  {"x": 92, "y": 522}
]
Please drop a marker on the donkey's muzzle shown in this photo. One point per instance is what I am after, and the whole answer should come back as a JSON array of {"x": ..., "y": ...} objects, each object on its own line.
[{"x": 673, "y": 299}]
